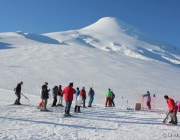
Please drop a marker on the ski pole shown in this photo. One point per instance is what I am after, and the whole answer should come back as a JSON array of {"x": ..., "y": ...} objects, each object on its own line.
[
  {"x": 127, "y": 103},
  {"x": 122, "y": 100},
  {"x": 26, "y": 98}
]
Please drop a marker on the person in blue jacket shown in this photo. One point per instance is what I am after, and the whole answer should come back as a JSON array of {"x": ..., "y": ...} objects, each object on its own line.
[
  {"x": 148, "y": 99},
  {"x": 77, "y": 92},
  {"x": 91, "y": 96}
]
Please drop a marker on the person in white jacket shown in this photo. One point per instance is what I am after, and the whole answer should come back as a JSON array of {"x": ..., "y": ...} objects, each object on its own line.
[{"x": 78, "y": 103}]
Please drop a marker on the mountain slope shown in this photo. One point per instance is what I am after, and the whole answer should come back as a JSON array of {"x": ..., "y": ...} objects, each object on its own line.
[
  {"x": 77, "y": 56},
  {"x": 111, "y": 34}
]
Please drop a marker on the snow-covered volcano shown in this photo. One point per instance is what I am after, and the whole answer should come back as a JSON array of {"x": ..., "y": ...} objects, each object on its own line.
[
  {"x": 106, "y": 54},
  {"x": 111, "y": 34}
]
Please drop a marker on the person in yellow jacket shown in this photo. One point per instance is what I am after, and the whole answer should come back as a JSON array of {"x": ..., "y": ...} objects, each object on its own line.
[{"x": 108, "y": 98}]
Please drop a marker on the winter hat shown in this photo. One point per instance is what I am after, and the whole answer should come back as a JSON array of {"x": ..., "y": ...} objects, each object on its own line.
[
  {"x": 83, "y": 87},
  {"x": 21, "y": 82},
  {"x": 71, "y": 84},
  {"x": 166, "y": 97},
  {"x": 46, "y": 83}
]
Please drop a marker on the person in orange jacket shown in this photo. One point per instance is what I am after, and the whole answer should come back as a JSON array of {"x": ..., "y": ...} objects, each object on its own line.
[
  {"x": 172, "y": 108},
  {"x": 68, "y": 97}
]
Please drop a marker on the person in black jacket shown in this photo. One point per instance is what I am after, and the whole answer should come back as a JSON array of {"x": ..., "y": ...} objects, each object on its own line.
[
  {"x": 55, "y": 93},
  {"x": 60, "y": 96},
  {"x": 18, "y": 93},
  {"x": 112, "y": 100},
  {"x": 45, "y": 96}
]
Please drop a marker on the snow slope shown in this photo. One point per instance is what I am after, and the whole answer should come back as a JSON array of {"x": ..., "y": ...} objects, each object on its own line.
[
  {"x": 96, "y": 123},
  {"x": 106, "y": 54}
]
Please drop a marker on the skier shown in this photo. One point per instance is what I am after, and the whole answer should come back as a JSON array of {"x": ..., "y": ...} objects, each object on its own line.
[
  {"x": 18, "y": 93},
  {"x": 45, "y": 96},
  {"x": 108, "y": 98},
  {"x": 55, "y": 93},
  {"x": 68, "y": 97},
  {"x": 148, "y": 99},
  {"x": 112, "y": 101},
  {"x": 83, "y": 93},
  {"x": 60, "y": 96},
  {"x": 91, "y": 96},
  {"x": 78, "y": 104},
  {"x": 172, "y": 109}
]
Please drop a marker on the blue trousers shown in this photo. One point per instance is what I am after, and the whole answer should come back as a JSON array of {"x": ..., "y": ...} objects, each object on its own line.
[
  {"x": 91, "y": 100},
  {"x": 68, "y": 106}
]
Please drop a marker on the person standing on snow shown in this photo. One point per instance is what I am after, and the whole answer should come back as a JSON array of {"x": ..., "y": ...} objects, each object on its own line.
[
  {"x": 91, "y": 96},
  {"x": 68, "y": 97},
  {"x": 112, "y": 100},
  {"x": 78, "y": 104},
  {"x": 172, "y": 108},
  {"x": 108, "y": 98},
  {"x": 45, "y": 96},
  {"x": 60, "y": 96},
  {"x": 83, "y": 93},
  {"x": 148, "y": 99},
  {"x": 55, "y": 93},
  {"x": 18, "y": 93}
]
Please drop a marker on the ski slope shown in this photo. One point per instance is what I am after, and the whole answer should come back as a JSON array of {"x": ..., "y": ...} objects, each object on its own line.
[
  {"x": 98, "y": 122},
  {"x": 106, "y": 54}
]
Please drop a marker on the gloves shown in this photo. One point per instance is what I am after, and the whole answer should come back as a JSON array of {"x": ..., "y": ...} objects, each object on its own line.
[{"x": 170, "y": 111}]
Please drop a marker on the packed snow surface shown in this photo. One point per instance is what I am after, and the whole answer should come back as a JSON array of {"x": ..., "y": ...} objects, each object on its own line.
[{"x": 106, "y": 54}]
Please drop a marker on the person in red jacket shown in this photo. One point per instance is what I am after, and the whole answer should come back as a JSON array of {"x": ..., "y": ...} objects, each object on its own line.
[
  {"x": 83, "y": 94},
  {"x": 68, "y": 97},
  {"x": 172, "y": 108}
]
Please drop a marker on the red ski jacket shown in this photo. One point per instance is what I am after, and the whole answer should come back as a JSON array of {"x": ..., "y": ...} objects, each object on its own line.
[
  {"x": 83, "y": 93},
  {"x": 68, "y": 93},
  {"x": 171, "y": 105}
]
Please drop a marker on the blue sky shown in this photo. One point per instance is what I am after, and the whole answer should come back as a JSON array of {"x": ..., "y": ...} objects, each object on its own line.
[{"x": 160, "y": 18}]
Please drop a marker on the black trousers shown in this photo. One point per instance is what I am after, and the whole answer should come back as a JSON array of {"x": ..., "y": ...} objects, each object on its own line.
[
  {"x": 112, "y": 102},
  {"x": 18, "y": 94},
  {"x": 68, "y": 106},
  {"x": 54, "y": 101},
  {"x": 77, "y": 109},
  {"x": 84, "y": 100}
]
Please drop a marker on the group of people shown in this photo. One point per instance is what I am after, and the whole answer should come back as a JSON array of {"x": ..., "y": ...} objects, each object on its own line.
[
  {"x": 109, "y": 98},
  {"x": 69, "y": 91},
  {"x": 173, "y": 107}
]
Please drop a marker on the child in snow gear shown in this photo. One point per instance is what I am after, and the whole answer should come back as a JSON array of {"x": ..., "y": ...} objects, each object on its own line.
[
  {"x": 55, "y": 93},
  {"x": 45, "y": 96},
  {"x": 18, "y": 94},
  {"x": 83, "y": 93},
  {"x": 172, "y": 109},
  {"x": 91, "y": 96},
  {"x": 60, "y": 96},
  {"x": 112, "y": 100},
  {"x": 108, "y": 98},
  {"x": 148, "y": 99},
  {"x": 68, "y": 97},
  {"x": 78, "y": 103}
]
